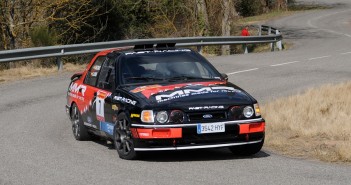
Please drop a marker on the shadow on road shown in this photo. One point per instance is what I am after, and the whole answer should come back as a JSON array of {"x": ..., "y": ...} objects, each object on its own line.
[{"x": 196, "y": 155}]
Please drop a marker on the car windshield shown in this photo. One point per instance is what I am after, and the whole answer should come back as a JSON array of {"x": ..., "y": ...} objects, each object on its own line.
[{"x": 169, "y": 65}]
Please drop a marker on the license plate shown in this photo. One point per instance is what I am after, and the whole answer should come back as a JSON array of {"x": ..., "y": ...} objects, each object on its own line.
[{"x": 210, "y": 128}]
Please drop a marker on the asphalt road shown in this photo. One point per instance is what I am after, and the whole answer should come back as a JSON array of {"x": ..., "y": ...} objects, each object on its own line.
[{"x": 37, "y": 146}]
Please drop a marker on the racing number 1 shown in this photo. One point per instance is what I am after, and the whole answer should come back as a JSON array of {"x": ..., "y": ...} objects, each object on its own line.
[{"x": 100, "y": 102}]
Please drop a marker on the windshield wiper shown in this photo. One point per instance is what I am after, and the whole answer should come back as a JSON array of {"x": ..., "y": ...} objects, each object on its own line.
[
  {"x": 144, "y": 78},
  {"x": 184, "y": 77}
]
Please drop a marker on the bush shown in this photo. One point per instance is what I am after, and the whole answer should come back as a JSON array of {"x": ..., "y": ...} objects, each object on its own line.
[{"x": 42, "y": 36}]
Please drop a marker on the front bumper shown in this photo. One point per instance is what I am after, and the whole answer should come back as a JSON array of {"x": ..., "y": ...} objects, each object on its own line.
[{"x": 185, "y": 136}]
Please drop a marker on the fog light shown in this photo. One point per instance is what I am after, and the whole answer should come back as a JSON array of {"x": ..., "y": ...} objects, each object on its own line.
[
  {"x": 248, "y": 111},
  {"x": 176, "y": 116},
  {"x": 162, "y": 117}
]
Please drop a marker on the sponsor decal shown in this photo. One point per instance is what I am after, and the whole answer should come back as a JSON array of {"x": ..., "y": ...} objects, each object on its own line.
[
  {"x": 97, "y": 68},
  {"x": 75, "y": 88},
  {"x": 76, "y": 96},
  {"x": 207, "y": 107},
  {"x": 107, "y": 127},
  {"x": 89, "y": 125},
  {"x": 147, "y": 91},
  {"x": 135, "y": 115},
  {"x": 89, "y": 119},
  {"x": 125, "y": 100},
  {"x": 114, "y": 107},
  {"x": 191, "y": 92},
  {"x": 158, "y": 51},
  {"x": 207, "y": 116},
  {"x": 94, "y": 74},
  {"x": 100, "y": 105},
  {"x": 143, "y": 88}
]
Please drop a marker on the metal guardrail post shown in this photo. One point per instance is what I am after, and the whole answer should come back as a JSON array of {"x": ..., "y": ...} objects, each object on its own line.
[
  {"x": 269, "y": 33},
  {"x": 246, "y": 51},
  {"x": 59, "y": 63},
  {"x": 199, "y": 49},
  {"x": 279, "y": 43},
  {"x": 259, "y": 30}
]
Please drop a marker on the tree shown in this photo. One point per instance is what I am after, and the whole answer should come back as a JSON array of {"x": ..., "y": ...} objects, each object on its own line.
[
  {"x": 228, "y": 7},
  {"x": 16, "y": 19},
  {"x": 202, "y": 17}
]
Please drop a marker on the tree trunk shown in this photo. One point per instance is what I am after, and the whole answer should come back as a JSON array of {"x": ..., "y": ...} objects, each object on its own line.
[
  {"x": 203, "y": 17},
  {"x": 227, "y": 8}
]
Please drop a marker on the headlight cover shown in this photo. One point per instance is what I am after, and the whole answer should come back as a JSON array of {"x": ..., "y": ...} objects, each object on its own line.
[
  {"x": 162, "y": 117},
  {"x": 248, "y": 112},
  {"x": 147, "y": 116},
  {"x": 257, "y": 110}
]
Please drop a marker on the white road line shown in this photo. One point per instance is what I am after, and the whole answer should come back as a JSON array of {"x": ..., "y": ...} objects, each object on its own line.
[
  {"x": 236, "y": 72},
  {"x": 347, "y": 35},
  {"x": 319, "y": 57},
  {"x": 345, "y": 53},
  {"x": 284, "y": 63}
]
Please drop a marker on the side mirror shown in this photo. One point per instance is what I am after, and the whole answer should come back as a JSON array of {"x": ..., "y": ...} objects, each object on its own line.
[{"x": 224, "y": 77}]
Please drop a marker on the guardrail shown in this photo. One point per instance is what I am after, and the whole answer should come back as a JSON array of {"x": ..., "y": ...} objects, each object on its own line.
[{"x": 273, "y": 36}]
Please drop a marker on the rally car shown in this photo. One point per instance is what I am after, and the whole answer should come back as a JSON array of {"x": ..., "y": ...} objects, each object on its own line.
[{"x": 160, "y": 98}]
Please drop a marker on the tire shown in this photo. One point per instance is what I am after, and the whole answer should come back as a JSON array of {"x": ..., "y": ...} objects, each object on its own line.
[
  {"x": 80, "y": 132},
  {"x": 247, "y": 150},
  {"x": 122, "y": 138}
]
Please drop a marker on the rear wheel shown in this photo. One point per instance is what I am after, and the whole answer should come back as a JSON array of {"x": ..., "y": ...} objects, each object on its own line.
[
  {"x": 247, "y": 150},
  {"x": 123, "y": 138},
  {"x": 80, "y": 132}
]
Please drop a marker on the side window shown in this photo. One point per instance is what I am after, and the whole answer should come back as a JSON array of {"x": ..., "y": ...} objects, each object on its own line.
[
  {"x": 106, "y": 79},
  {"x": 203, "y": 71},
  {"x": 93, "y": 72}
]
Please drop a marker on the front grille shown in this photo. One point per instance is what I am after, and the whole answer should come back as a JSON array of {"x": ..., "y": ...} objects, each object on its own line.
[
  {"x": 207, "y": 116},
  {"x": 190, "y": 136}
]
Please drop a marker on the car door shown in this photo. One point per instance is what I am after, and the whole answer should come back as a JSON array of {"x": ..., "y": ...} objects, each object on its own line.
[
  {"x": 89, "y": 102},
  {"x": 104, "y": 87}
]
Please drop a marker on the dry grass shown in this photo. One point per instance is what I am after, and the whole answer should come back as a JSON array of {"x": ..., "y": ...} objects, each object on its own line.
[
  {"x": 264, "y": 17},
  {"x": 315, "y": 124},
  {"x": 30, "y": 71}
]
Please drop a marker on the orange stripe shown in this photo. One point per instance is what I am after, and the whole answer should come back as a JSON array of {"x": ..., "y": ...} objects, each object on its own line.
[
  {"x": 159, "y": 133},
  {"x": 252, "y": 128}
]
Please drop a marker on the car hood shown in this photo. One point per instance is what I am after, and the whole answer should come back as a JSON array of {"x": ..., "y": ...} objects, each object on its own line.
[{"x": 184, "y": 95}]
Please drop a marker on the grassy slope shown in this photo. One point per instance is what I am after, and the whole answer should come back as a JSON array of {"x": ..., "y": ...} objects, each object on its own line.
[{"x": 314, "y": 124}]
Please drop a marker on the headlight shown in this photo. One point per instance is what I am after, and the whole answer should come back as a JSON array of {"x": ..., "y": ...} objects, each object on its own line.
[
  {"x": 257, "y": 110},
  {"x": 248, "y": 111},
  {"x": 176, "y": 116},
  {"x": 235, "y": 112},
  {"x": 162, "y": 117},
  {"x": 147, "y": 116}
]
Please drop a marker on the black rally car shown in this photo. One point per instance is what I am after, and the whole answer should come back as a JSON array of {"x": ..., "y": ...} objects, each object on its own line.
[{"x": 155, "y": 98}]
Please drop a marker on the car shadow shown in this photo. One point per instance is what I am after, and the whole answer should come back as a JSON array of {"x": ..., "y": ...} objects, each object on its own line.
[
  {"x": 188, "y": 155},
  {"x": 214, "y": 154}
]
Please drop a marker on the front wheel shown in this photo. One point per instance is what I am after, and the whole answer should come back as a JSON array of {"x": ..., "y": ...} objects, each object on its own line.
[
  {"x": 247, "y": 150},
  {"x": 123, "y": 138}
]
